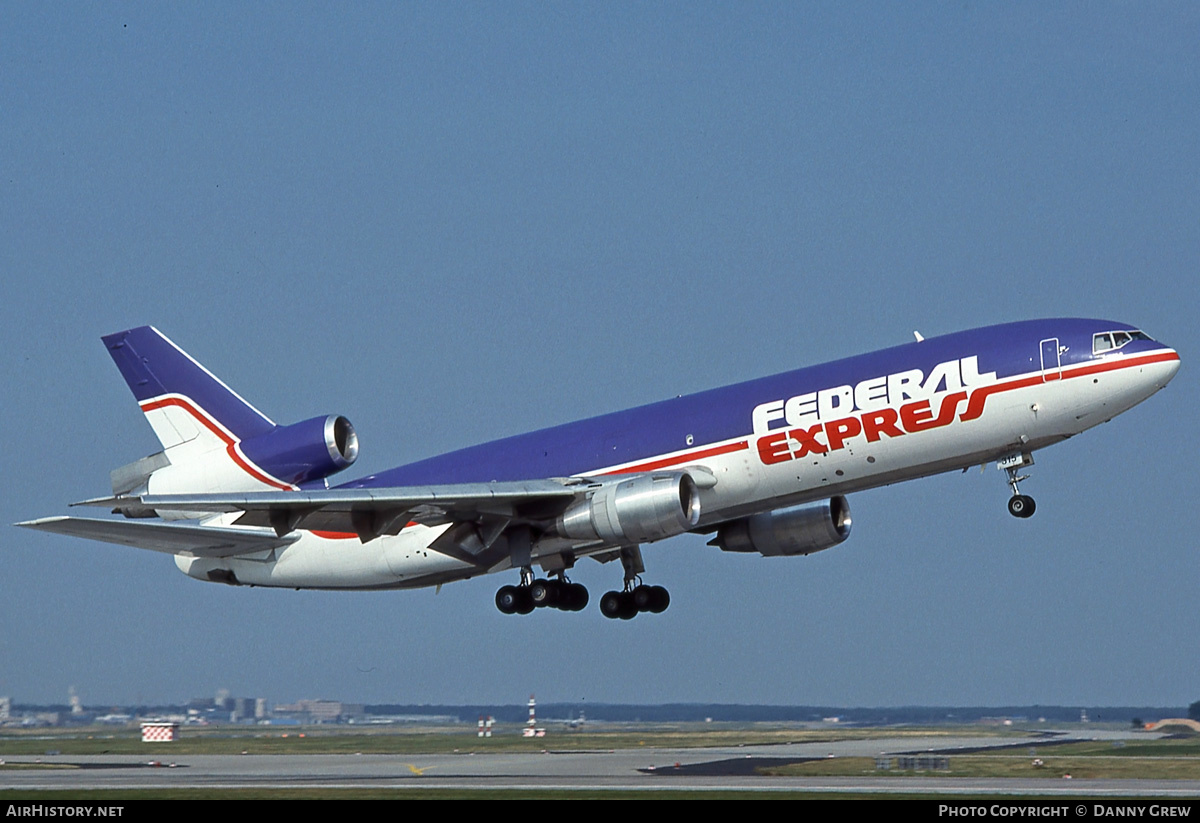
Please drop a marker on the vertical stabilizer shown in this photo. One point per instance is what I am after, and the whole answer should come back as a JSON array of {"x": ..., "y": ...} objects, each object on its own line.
[
  {"x": 199, "y": 420},
  {"x": 162, "y": 375}
]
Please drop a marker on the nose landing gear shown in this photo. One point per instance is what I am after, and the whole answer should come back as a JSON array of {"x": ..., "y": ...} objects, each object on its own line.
[{"x": 1019, "y": 505}]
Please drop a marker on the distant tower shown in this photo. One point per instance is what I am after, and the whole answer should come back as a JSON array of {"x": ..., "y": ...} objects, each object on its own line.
[
  {"x": 531, "y": 728},
  {"x": 1083, "y": 716},
  {"x": 73, "y": 699}
]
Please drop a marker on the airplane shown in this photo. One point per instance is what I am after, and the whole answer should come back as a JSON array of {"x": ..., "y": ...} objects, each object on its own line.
[{"x": 762, "y": 466}]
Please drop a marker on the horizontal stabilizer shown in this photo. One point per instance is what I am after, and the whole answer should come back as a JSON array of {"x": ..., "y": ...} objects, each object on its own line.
[{"x": 197, "y": 541}]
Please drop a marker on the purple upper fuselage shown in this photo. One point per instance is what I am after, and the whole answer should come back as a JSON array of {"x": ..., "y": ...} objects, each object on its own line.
[{"x": 718, "y": 415}]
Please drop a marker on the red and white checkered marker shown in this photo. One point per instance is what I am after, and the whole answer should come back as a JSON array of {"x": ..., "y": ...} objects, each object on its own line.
[{"x": 160, "y": 732}]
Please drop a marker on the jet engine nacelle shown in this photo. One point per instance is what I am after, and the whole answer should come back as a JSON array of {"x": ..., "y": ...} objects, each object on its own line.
[
  {"x": 805, "y": 529},
  {"x": 310, "y": 450},
  {"x": 641, "y": 509}
]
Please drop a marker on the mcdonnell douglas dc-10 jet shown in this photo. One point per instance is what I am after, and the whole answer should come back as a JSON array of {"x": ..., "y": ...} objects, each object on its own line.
[{"x": 762, "y": 466}]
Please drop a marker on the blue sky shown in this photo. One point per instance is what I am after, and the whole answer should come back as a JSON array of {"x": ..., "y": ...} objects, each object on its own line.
[{"x": 454, "y": 222}]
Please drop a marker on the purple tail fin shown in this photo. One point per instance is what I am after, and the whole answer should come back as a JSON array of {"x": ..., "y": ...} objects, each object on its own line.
[{"x": 159, "y": 372}]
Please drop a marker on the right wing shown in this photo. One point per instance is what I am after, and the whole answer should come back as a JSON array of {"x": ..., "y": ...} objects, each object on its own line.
[{"x": 170, "y": 538}]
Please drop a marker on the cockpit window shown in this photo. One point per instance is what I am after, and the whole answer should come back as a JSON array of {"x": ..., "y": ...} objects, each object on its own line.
[{"x": 1113, "y": 340}]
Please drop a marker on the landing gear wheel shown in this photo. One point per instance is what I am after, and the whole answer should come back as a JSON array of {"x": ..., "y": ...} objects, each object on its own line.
[
  {"x": 629, "y": 609},
  {"x": 1021, "y": 505},
  {"x": 574, "y": 597},
  {"x": 610, "y": 605},
  {"x": 507, "y": 599},
  {"x": 524, "y": 601},
  {"x": 653, "y": 599},
  {"x": 544, "y": 593}
]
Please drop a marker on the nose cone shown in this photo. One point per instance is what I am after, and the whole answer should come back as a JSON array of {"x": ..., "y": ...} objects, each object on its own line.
[{"x": 1171, "y": 365}]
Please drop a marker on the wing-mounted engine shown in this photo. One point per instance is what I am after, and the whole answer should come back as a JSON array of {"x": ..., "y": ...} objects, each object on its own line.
[
  {"x": 805, "y": 529},
  {"x": 641, "y": 509},
  {"x": 306, "y": 451}
]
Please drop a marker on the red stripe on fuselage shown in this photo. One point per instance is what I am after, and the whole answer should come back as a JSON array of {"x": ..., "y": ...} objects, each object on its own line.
[
  {"x": 230, "y": 443},
  {"x": 974, "y": 406},
  {"x": 1111, "y": 363},
  {"x": 652, "y": 465},
  {"x": 348, "y": 535}
]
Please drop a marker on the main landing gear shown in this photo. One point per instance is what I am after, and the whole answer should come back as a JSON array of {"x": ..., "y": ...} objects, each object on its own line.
[
  {"x": 1019, "y": 505},
  {"x": 536, "y": 594},
  {"x": 560, "y": 593},
  {"x": 625, "y": 605},
  {"x": 636, "y": 597}
]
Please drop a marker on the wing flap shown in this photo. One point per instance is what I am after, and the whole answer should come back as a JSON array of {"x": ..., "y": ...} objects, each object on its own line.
[{"x": 169, "y": 538}]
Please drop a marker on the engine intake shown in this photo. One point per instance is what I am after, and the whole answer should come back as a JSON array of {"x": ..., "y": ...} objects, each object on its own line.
[
  {"x": 642, "y": 509},
  {"x": 805, "y": 529},
  {"x": 310, "y": 450}
]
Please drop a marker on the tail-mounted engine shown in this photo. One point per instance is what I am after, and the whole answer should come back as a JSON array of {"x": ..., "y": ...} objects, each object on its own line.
[
  {"x": 641, "y": 509},
  {"x": 803, "y": 529},
  {"x": 309, "y": 450},
  {"x": 295, "y": 454}
]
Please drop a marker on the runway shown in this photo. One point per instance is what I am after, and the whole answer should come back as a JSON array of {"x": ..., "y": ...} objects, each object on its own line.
[{"x": 729, "y": 768}]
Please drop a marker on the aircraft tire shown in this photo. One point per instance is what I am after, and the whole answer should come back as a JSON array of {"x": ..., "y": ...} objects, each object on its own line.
[
  {"x": 544, "y": 593},
  {"x": 506, "y": 599},
  {"x": 573, "y": 597},
  {"x": 610, "y": 605},
  {"x": 654, "y": 599},
  {"x": 629, "y": 608},
  {"x": 1021, "y": 505}
]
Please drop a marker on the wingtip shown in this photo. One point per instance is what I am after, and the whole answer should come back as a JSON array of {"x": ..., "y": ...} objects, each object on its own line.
[{"x": 39, "y": 522}]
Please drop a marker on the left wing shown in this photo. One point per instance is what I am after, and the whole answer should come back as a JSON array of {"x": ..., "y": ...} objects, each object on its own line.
[
  {"x": 620, "y": 511},
  {"x": 370, "y": 513}
]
